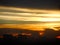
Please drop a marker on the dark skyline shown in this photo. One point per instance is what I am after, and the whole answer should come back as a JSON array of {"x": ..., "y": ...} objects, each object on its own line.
[{"x": 44, "y": 4}]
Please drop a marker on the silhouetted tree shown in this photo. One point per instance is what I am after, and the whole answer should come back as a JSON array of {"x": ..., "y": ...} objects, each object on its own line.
[{"x": 49, "y": 34}]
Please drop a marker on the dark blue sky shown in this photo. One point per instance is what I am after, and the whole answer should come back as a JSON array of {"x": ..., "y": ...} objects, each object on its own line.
[{"x": 46, "y": 4}]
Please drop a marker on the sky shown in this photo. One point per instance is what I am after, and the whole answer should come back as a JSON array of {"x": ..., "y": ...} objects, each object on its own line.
[
  {"x": 29, "y": 13},
  {"x": 44, "y": 4},
  {"x": 21, "y": 15},
  {"x": 31, "y": 19}
]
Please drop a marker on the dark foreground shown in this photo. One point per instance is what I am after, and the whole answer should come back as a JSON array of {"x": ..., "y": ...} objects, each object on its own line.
[{"x": 48, "y": 38}]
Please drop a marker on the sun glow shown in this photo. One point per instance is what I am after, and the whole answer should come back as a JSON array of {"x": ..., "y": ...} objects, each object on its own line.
[{"x": 49, "y": 19}]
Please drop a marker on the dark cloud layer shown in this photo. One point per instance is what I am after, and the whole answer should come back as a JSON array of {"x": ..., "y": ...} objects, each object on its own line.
[
  {"x": 17, "y": 22},
  {"x": 46, "y": 4}
]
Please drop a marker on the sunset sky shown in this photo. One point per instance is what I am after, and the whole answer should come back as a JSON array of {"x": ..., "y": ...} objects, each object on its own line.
[
  {"x": 21, "y": 14},
  {"x": 27, "y": 18},
  {"x": 30, "y": 14}
]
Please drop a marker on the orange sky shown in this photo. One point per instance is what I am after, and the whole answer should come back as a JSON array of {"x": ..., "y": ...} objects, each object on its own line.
[
  {"x": 30, "y": 15},
  {"x": 35, "y": 27}
]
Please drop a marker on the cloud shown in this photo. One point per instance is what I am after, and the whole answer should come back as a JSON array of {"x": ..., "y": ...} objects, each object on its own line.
[{"x": 12, "y": 14}]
